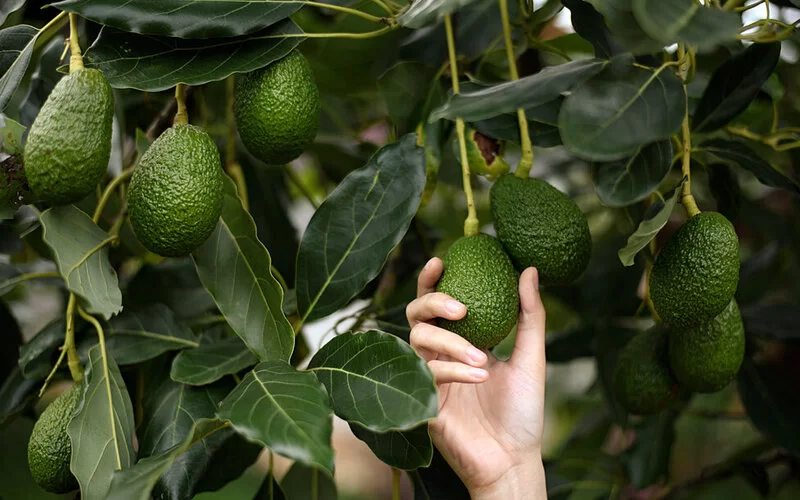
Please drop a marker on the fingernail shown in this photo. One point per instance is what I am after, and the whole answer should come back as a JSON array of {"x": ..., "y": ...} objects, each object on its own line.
[
  {"x": 454, "y": 306},
  {"x": 427, "y": 264},
  {"x": 476, "y": 354},
  {"x": 478, "y": 373}
]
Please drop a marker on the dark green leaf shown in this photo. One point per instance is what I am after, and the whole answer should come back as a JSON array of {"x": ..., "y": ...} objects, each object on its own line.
[
  {"x": 43, "y": 80},
  {"x": 210, "y": 362},
  {"x": 649, "y": 457},
  {"x": 284, "y": 409},
  {"x": 270, "y": 489},
  {"x": 173, "y": 282},
  {"x": 406, "y": 450},
  {"x": 589, "y": 24},
  {"x": 11, "y": 134},
  {"x": 8, "y": 7},
  {"x": 16, "y": 48},
  {"x": 303, "y": 483},
  {"x": 614, "y": 113},
  {"x": 734, "y": 85},
  {"x": 623, "y": 182},
  {"x": 17, "y": 479},
  {"x": 438, "y": 482},
  {"x": 657, "y": 216},
  {"x": 101, "y": 432},
  {"x": 36, "y": 356},
  {"x": 780, "y": 322},
  {"x": 686, "y": 21},
  {"x": 404, "y": 88},
  {"x": 15, "y": 393},
  {"x": 423, "y": 12},
  {"x": 11, "y": 338},
  {"x": 725, "y": 188},
  {"x": 527, "y": 92},
  {"x": 625, "y": 28},
  {"x": 227, "y": 463},
  {"x": 542, "y": 125},
  {"x": 350, "y": 236},
  {"x": 246, "y": 293},
  {"x": 184, "y": 19},
  {"x": 361, "y": 389},
  {"x": 737, "y": 153},
  {"x": 152, "y": 63},
  {"x": 75, "y": 240}
]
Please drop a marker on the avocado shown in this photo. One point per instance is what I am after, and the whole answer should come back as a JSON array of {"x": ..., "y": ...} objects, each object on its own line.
[
  {"x": 175, "y": 196},
  {"x": 479, "y": 274},
  {"x": 277, "y": 109},
  {"x": 49, "y": 448},
  {"x": 696, "y": 273},
  {"x": 69, "y": 143},
  {"x": 642, "y": 381},
  {"x": 541, "y": 227},
  {"x": 707, "y": 356}
]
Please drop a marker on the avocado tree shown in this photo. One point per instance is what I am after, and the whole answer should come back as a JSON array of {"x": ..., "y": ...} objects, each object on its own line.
[{"x": 154, "y": 186}]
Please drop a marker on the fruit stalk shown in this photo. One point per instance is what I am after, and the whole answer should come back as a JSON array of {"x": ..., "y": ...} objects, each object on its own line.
[
  {"x": 471, "y": 224},
  {"x": 687, "y": 199},
  {"x": 526, "y": 161},
  {"x": 75, "y": 58},
  {"x": 181, "y": 115},
  {"x": 73, "y": 361}
]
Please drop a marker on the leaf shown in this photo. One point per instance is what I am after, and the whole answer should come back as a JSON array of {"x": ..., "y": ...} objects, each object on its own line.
[
  {"x": 153, "y": 63},
  {"x": 8, "y": 7},
  {"x": 590, "y": 25},
  {"x": 656, "y": 217},
  {"x": 284, "y": 409},
  {"x": 779, "y": 322},
  {"x": 734, "y": 84},
  {"x": 11, "y": 134},
  {"x": 12, "y": 341},
  {"x": 101, "y": 431},
  {"x": 686, "y": 21},
  {"x": 424, "y": 12},
  {"x": 438, "y": 482},
  {"x": 623, "y": 182},
  {"x": 724, "y": 186},
  {"x": 620, "y": 19},
  {"x": 210, "y": 362},
  {"x": 368, "y": 373},
  {"x": 16, "y": 49},
  {"x": 542, "y": 125},
  {"x": 618, "y": 110},
  {"x": 350, "y": 236},
  {"x": 404, "y": 88},
  {"x": 246, "y": 293},
  {"x": 270, "y": 489},
  {"x": 737, "y": 153},
  {"x": 36, "y": 356},
  {"x": 184, "y": 19},
  {"x": 15, "y": 394},
  {"x": 527, "y": 92},
  {"x": 406, "y": 450},
  {"x": 44, "y": 78},
  {"x": 649, "y": 457},
  {"x": 82, "y": 258},
  {"x": 173, "y": 282},
  {"x": 302, "y": 482}
]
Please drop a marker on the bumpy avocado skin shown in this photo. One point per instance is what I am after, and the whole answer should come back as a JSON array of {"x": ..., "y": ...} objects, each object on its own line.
[
  {"x": 479, "y": 274},
  {"x": 49, "y": 448},
  {"x": 642, "y": 380},
  {"x": 541, "y": 227},
  {"x": 706, "y": 357},
  {"x": 175, "y": 196},
  {"x": 277, "y": 109},
  {"x": 69, "y": 143},
  {"x": 696, "y": 273}
]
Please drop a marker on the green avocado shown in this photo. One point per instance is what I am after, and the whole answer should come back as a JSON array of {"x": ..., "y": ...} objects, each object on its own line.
[
  {"x": 175, "y": 196},
  {"x": 479, "y": 274},
  {"x": 541, "y": 227},
  {"x": 706, "y": 357},
  {"x": 69, "y": 143},
  {"x": 642, "y": 381},
  {"x": 696, "y": 273},
  {"x": 49, "y": 448},
  {"x": 277, "y": 109}
]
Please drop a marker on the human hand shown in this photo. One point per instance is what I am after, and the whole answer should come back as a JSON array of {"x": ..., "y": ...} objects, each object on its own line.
[{"x": 491, "y": 413}]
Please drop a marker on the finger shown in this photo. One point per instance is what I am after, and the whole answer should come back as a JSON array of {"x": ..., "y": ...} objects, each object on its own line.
[
  {"x": 529, "y": 344},
  {"x": 434, "y": 305},
  {"x": 446, "y": 372},
  {"x": 429, "y": 276},
  {"x": 432, "y": 339}
]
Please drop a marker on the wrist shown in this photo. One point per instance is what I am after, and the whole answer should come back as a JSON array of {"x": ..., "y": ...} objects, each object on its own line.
[{"x": 525, "y": 480}]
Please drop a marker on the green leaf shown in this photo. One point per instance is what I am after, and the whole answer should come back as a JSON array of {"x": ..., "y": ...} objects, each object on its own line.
[
  {"x": 404, "y": 88},
  {"x": 36, "y": 356},
  {"x": 184, "y": 19},
  {"x": 153, "y": 63},
  {"x": 589, "y": 24},
  {"x": 527, "y": 92},
  {"x": 623, "y": 182},
  {"x": 16, "y": 49},
  {"x": 43, "y": 79},
  {"x": 620, "y": 109},
  {"x": 734, "y": 84},
  {"x": 15, "y": 394},
  {"x": 625, "y": 28},
  {"x": 12, "y": 341},
  {"x": 246, "y": 293},
  {"x": 270, "y": 489},
  {"x": 173, "y": 282},
  {"x": 686, "y": 21},
  {"x": 649, "y": 457},
  {"x": 350, "y": 236},
  {"x": 11, "y": 134},
  {"x": 542, "y": 125},
  {"x": 210, "y": 362},
  {"x": 406, "y": 450},
  {"x": 284, "y": 409},
  {"x": 82, "y": 258},
  {"x": 101, "y": 431},
  {"x": 303, "y": 483},
  {"x": 724, "y": 187},
  {"x": 424, "y": 12},
  {"x": 656, "y": 217},
  {"x": 737, "y": 153},
  {"x": 362, "y": 389},
  {"x": 8, "y": 7}
]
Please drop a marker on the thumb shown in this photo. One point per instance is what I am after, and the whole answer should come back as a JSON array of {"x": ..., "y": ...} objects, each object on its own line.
[{"x": 529, "y": 345}]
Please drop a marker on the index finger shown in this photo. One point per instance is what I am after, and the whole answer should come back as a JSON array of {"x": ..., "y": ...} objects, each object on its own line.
[{"x": 429, "y": 276}]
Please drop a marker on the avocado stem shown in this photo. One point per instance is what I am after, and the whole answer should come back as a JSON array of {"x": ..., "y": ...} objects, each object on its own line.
[
  {"x": 471, "y": 224},
  {"x": 526, "y": 161},
  {"x": 76, "y": 57},
  {"x": 181, "y": 115},
  {"x": 73, "y": 361},
  {"x": 687, "y": 199}
]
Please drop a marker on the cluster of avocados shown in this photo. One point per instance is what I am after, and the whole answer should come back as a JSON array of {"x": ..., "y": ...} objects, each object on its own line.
[
  {"x": 700, "y": 344},
  {"x": 537, "y": 226}
]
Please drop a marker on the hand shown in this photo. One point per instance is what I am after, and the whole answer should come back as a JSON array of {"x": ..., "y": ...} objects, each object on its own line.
[{"x": 491, "y": 413}]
